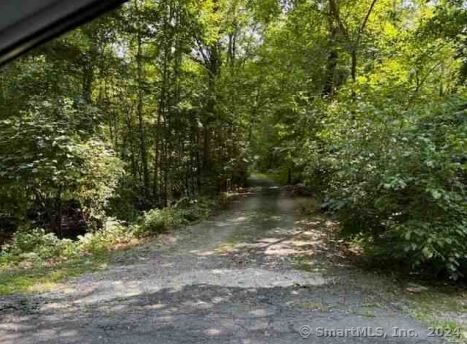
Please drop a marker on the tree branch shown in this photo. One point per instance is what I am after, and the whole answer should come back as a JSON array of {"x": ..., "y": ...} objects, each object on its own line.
[
  {"x": 365, "y": 21},
  {"x": 334, "y": 9}
]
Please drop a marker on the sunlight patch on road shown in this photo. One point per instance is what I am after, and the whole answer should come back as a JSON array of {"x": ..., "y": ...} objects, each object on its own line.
[
  {"x": 251, "y": 278},
  {"x": 203, "y": 254},
  {"x": 213, "y": 332},
  {"x": 282, "y": 249}
]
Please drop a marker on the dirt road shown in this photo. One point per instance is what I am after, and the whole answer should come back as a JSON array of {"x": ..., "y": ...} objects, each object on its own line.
[{"x": 257, "y": 273}]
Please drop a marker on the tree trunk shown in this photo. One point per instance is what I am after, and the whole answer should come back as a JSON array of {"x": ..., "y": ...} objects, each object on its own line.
[
  {"x": 331, "y": 65},
  {"x": 140, "y": 114}
]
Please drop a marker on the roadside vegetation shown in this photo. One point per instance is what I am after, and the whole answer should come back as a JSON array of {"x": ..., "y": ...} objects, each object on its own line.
[
  {"x": 438, "y": 303},
  {"x": 35, "y": 260}
]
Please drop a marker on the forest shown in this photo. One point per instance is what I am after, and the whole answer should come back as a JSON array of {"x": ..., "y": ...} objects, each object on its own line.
[{"x": 138, "y": 121}]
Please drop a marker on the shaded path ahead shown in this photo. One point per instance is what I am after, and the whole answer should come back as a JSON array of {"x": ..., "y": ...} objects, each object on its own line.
[{"x": 257, "y": 273}]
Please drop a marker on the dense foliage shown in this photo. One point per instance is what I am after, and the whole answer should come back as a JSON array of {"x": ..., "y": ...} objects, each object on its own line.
[
  {"x": 165, "y": 101},
  {"x": 370, "y": 111}
]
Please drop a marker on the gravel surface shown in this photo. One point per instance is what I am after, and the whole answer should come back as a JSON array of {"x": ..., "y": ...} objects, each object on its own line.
[{"x": 237, "y": 278}]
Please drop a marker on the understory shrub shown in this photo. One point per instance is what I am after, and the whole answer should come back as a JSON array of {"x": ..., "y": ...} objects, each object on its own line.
[
  {"x": 157, "y": 221},
  {"x": 36, "y": 245},
  {"x": 47, "y": 161},
  {"x": 397, "y": 179},
  {"x": 105, "y": 239},
  {"x": 185, "y": 211},
  {"x": 191, "y": 210}
]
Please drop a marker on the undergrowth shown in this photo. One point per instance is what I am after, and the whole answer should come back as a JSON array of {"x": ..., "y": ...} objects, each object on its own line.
[{"x": 35, "y": 260}]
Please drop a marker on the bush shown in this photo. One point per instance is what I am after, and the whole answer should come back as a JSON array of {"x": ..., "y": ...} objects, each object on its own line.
[
  {"x": 399, "y": 181},
  {"x": 190, "y": 210},
  {"x": 35, "y": 244},
  {"x": 157, "y": 221},
  {"x": 185, "y": 211},
  {"x": 105, "y": 239}
]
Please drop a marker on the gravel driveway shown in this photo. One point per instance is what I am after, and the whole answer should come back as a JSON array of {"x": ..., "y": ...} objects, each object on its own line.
[{"x": 258, "y": 272}]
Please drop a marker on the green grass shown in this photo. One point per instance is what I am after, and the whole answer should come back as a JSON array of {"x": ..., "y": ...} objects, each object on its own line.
[
  {"x": 440, "y": 307},
  {"x": 45, "y": 278}
]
